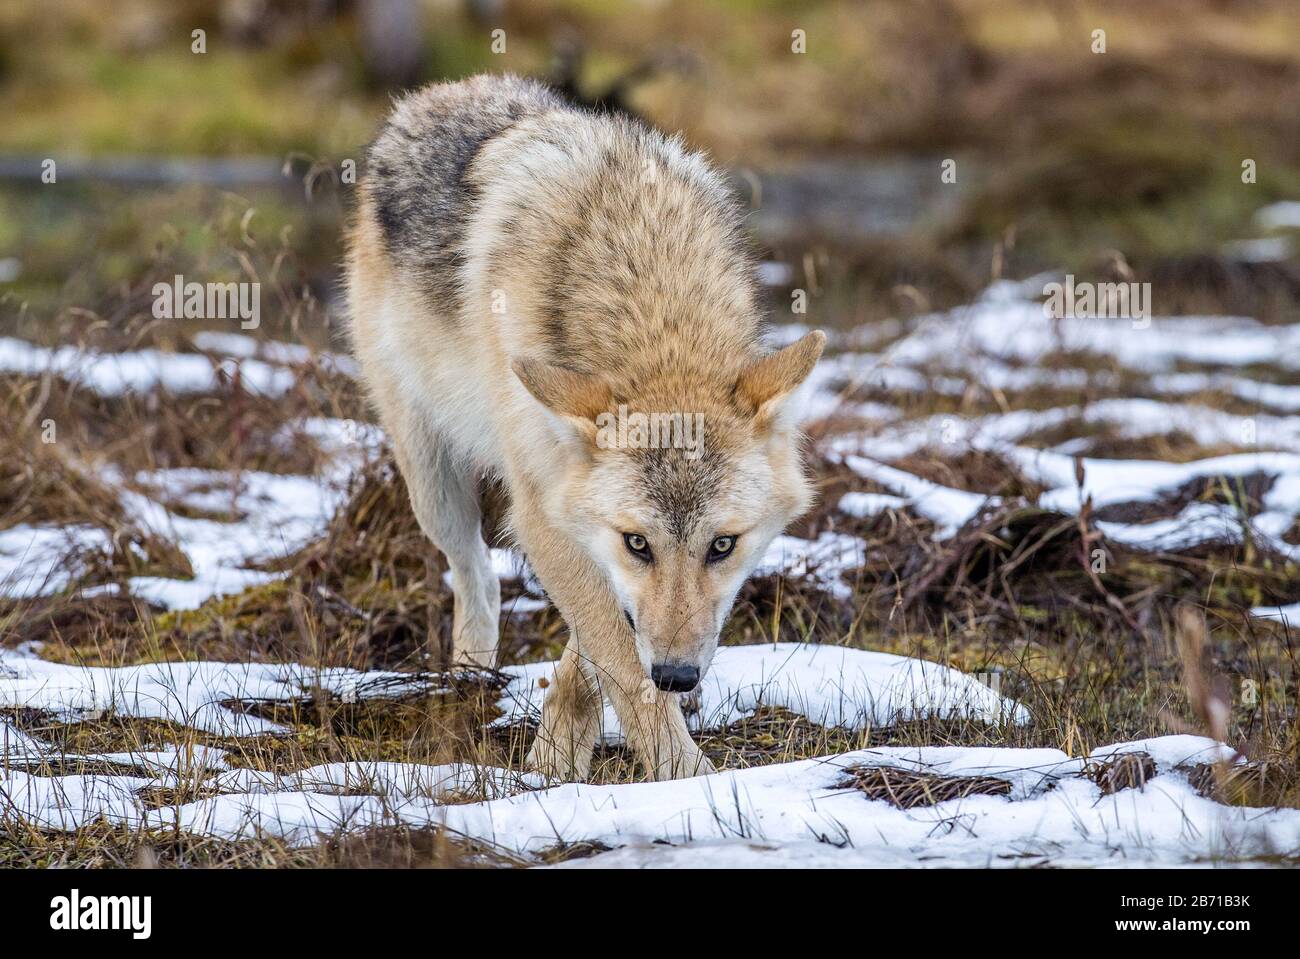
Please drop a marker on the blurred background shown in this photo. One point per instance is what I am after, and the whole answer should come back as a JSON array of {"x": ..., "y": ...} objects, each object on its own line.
[{"x": 229, "y": 161}]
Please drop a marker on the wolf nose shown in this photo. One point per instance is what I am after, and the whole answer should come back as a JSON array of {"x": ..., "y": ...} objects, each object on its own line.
[{"x": 675, "y": 677}]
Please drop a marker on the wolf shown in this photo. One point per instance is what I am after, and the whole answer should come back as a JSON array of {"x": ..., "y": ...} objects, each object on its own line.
[{"x": 519, "y": 268}]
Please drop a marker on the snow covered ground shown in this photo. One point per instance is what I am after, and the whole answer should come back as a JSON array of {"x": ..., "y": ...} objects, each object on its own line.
[
  {"x": 781, "y": 814},
  {"x": 999, "y": 343},
  {"x": 788, "y": 814},
  {"x": 832, "y": 686}
]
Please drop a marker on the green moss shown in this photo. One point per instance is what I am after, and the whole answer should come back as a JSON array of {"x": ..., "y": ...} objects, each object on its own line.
[{"x": 241, "y": 610}]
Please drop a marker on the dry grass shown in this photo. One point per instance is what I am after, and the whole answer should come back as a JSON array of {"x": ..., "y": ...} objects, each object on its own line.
[
  {"x": 108, "y": 847},
  {"x": 1268, "y": 783},
  {"x": 907, "y": 789},
  {"x": 1124, "y": 771}
]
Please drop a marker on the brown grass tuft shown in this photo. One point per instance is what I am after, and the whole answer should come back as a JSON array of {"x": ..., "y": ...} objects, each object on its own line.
[
  {"x": 1124, "y": 771},
  {"x": 907, "y": 790}
]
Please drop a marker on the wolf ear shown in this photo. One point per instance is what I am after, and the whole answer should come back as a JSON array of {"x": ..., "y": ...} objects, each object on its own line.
[
  {"x": 578, "y": 397},
  {"x": 765, "y": 383}
]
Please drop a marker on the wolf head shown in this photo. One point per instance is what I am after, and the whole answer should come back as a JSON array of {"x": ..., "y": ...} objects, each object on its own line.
[{"x": 676, "y": 491}]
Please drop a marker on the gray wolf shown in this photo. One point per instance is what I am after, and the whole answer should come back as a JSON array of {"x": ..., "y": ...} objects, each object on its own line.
[{"x": 533, "y": 289}]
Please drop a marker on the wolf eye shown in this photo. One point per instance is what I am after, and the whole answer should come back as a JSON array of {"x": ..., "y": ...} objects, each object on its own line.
[
  {"x": 636, "y": 545},
  {"x": 720, "y": 548}
]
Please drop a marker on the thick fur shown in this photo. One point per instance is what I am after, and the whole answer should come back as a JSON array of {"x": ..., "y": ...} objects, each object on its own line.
[{"x": 518, "y": 268}]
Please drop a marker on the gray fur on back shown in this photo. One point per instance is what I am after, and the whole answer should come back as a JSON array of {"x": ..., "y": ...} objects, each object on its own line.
[{"x": 417, "y": 166}]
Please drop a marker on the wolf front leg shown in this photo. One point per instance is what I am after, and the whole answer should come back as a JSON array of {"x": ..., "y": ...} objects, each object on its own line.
[
  {"x": 653, "y": 723},
  {"x": 570, "y": 720},
  {"x": 444, "y": 497},
  {"x": 652, "y": 720},
  {"x": 600, "y": 661}
]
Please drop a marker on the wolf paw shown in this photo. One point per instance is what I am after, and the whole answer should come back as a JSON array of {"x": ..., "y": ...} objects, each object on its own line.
[
  {"x": 687, "y": 763},
  {"x": 475, "y": 653},
  {"x": 556, "y": 765}
]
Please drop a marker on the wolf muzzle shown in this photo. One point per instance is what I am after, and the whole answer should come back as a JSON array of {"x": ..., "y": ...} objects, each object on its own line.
[{"x": 675, "y": 677}]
